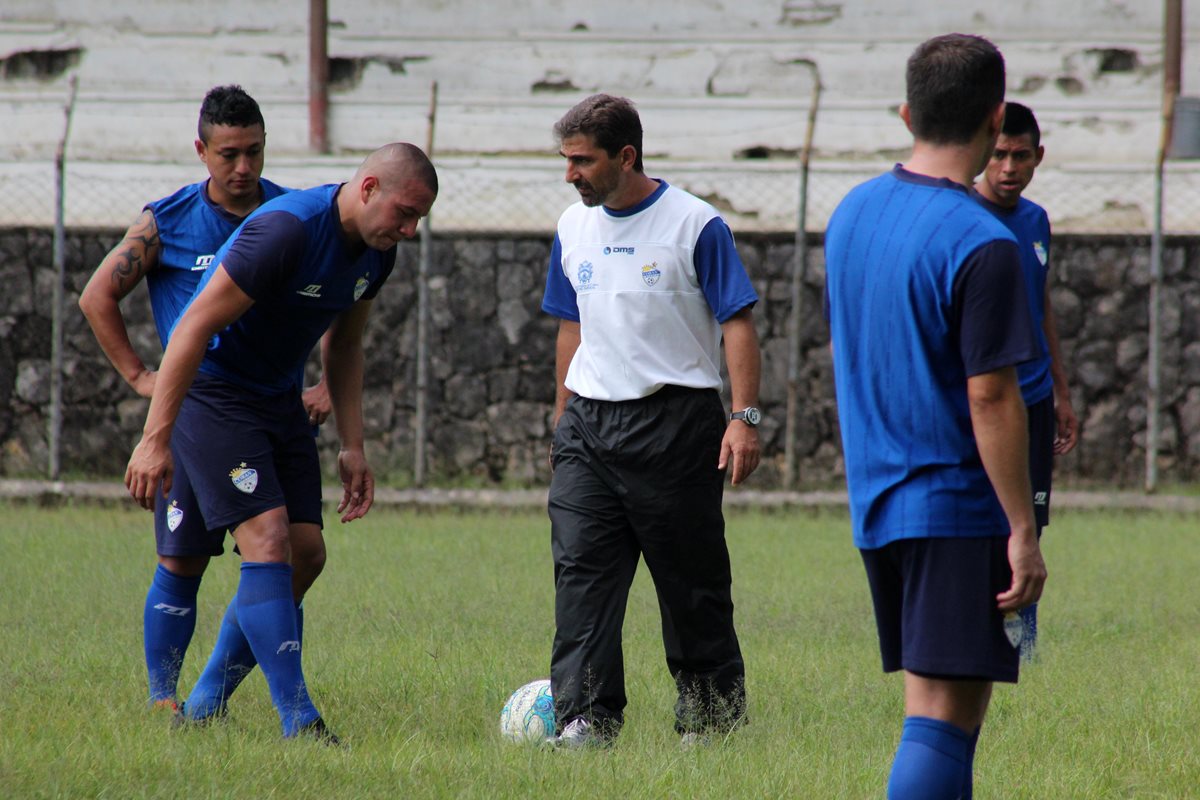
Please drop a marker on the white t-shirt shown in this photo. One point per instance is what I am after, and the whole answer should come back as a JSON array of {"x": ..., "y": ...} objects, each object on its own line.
[{"x": 650, "y": 287}]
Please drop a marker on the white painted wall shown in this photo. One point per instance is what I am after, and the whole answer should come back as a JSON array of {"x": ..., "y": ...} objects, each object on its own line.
[{"x": 711, "y": 77}]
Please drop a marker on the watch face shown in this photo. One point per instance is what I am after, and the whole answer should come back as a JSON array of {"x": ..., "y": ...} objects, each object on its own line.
[{"x": 753, "y": 415}]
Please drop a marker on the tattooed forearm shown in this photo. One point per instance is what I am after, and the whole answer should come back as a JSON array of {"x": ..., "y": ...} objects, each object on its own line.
[{"x": 133, "y": 257}]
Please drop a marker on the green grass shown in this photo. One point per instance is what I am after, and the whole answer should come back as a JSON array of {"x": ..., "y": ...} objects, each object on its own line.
[{"x": 423, "y": 623}]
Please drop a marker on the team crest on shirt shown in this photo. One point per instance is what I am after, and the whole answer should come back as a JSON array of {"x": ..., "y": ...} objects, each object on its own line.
[
  {"x": 585, "y": 277},
  {"x": 360, "y": 286},
  {"x": 1039, "y": 250},
  {"x": 244, "y": 478},
  {"x": 174, "y": 516},
  {"x": 651, "y": 273}
]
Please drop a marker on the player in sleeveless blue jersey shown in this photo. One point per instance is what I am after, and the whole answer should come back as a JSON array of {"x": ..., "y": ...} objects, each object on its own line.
[
  {"x": 226, "y": 402},
  {"x": 171, "y": 244},
  {"x": 928, "y": 320},
  {"x": 1053, "y": 426}
]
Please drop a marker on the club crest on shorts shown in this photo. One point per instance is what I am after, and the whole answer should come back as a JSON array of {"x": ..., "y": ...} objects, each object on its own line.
[
  {"x": 360, "y": 286},
  {"x": 1039, "y": 250},
  {"x": 651, "y": 273},
  {"x": 1014, "y": 628},
  {"x": 174, "y": 516},
  {"x": 244, "y": 478}
]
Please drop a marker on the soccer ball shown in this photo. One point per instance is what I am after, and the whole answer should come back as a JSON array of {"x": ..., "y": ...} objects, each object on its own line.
[{"x": 528, "y": 716}]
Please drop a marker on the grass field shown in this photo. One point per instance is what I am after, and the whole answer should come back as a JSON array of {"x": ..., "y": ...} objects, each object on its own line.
[{"x": 424, "y": 622}]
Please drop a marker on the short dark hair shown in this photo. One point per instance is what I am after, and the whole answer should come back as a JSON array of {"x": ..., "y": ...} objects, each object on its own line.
[
  {"x": 954, "y": 81},
  {"x": 1019, "y": 120},
  {"x": 228, "y": 105},
  {"x": 611, "y": 122}
]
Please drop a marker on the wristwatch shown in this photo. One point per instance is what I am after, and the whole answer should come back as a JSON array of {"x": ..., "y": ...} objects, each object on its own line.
[{"x": 749, "y": 415}]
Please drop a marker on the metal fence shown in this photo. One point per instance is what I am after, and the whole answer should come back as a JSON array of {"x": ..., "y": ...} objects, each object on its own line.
[{"x": 488, "y": 195}]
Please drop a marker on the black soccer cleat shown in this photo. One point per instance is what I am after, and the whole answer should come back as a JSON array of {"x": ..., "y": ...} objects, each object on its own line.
[{"x": 318, "y": 731}]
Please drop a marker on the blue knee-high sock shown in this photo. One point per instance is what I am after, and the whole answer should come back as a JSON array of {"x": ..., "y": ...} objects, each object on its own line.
[
  {"x": 231, "y": 661},
  {"x": 1029, "y": 640},
  {"x": 930, "y": 761},
  {"x": 267, "y": 614},
  {"x": 968, "y": 789},
  {"x": 168, "y": 621}
]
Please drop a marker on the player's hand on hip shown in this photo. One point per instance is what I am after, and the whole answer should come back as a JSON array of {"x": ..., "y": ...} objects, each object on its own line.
[
  {"x": 1028, "y": 572},
  {"x": 739, "y": 451},
  {"x": 150, "y": 466},
  {"x": 358, "y": 485}
]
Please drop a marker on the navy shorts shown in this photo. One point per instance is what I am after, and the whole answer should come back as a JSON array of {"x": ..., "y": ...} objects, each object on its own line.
[
  {"x": 935, "y": 607},
  {"x": 1042, "y": 430},
  {"x": 179, "y": 528},
  {"x": 246, "y": 453}
]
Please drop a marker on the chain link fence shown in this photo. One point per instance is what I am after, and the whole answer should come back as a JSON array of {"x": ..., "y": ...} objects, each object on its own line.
[{"x": 489, "y": 195}]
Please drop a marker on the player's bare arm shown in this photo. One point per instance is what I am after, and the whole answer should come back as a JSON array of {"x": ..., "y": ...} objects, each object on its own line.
[
  {"x": 565, "y": 346},
  {"x": 1066, "y": 433},
  {"x": 740, "y": 445},
  {"x": 564, "y": 350},
  {"x": 217, "y": 306},
  {"x": 342, "y": 359},
  {"x": 120, "y": 271},
  {"x": 1001, "y": 430}
]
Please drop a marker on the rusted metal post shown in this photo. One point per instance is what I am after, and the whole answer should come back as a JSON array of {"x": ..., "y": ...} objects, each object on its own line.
[{"x": 318, "y": 76}]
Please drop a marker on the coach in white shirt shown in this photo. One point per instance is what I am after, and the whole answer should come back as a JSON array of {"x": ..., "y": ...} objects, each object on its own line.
[{"x": 645, "y": 281}]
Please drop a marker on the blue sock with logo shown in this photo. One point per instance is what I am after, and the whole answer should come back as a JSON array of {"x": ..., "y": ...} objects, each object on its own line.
[
  {"x": 267, "y": 615},
  {"x": 231, "y": 661},
  {"x": 930, "y": 761},
  {"x": 168, "y": 622}
]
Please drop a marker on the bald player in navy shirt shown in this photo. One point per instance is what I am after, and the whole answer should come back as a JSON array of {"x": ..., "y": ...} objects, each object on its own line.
[{"x": 227, "y": 399}]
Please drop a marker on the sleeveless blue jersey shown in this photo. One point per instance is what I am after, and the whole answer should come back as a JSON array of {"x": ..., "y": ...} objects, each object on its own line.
[
  {"x": 191, "y": 229},
  {"x": 291, "y": 257},
  {"x": 894, "y": 249},
  {"x": 1029, "y": 223}
]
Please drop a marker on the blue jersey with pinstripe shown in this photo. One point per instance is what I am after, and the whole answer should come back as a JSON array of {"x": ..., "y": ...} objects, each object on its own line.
[
  {"x": 1029, "y": 223},
  {"x": 893, "y": 250}
]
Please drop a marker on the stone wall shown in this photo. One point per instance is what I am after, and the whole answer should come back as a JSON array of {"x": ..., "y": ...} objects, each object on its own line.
[{"x": 491, "y": 377}]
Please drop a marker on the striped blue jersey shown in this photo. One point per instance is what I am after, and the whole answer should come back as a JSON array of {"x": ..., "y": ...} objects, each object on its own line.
[
  {"x": 924, "y": 290},
  {"x": 1029, "y": 223}
]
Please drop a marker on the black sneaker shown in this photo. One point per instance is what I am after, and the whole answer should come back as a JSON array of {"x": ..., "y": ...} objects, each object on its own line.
[
  {"x": 180, "y": 718},
  {"x": 317, "y": 730}
]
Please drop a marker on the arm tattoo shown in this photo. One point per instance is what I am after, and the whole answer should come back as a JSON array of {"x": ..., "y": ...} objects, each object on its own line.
[{"x": 134, "y": 255}]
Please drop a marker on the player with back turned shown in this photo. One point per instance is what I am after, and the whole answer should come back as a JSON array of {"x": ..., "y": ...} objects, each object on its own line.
[
  {"x": 1053, "y": 426},
  {"x": 928, "y": 319},
  {"x": 170, "y": 245},
  {"x": 226, "y": 402}
]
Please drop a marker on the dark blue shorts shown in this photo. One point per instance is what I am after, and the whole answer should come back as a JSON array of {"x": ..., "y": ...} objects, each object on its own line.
[
  {"x": 1042, "y": 430},
  {"x": 935, "y": 607},
  {"x": 179, "y": 528},
  {"x": 246, "y": 453}
]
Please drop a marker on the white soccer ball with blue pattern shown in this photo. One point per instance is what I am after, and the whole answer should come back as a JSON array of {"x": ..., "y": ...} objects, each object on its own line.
[{"x": 528, "y": 716}]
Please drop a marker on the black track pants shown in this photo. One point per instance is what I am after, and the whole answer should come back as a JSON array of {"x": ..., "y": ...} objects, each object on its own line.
[{"x": 637, "y": 478}]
